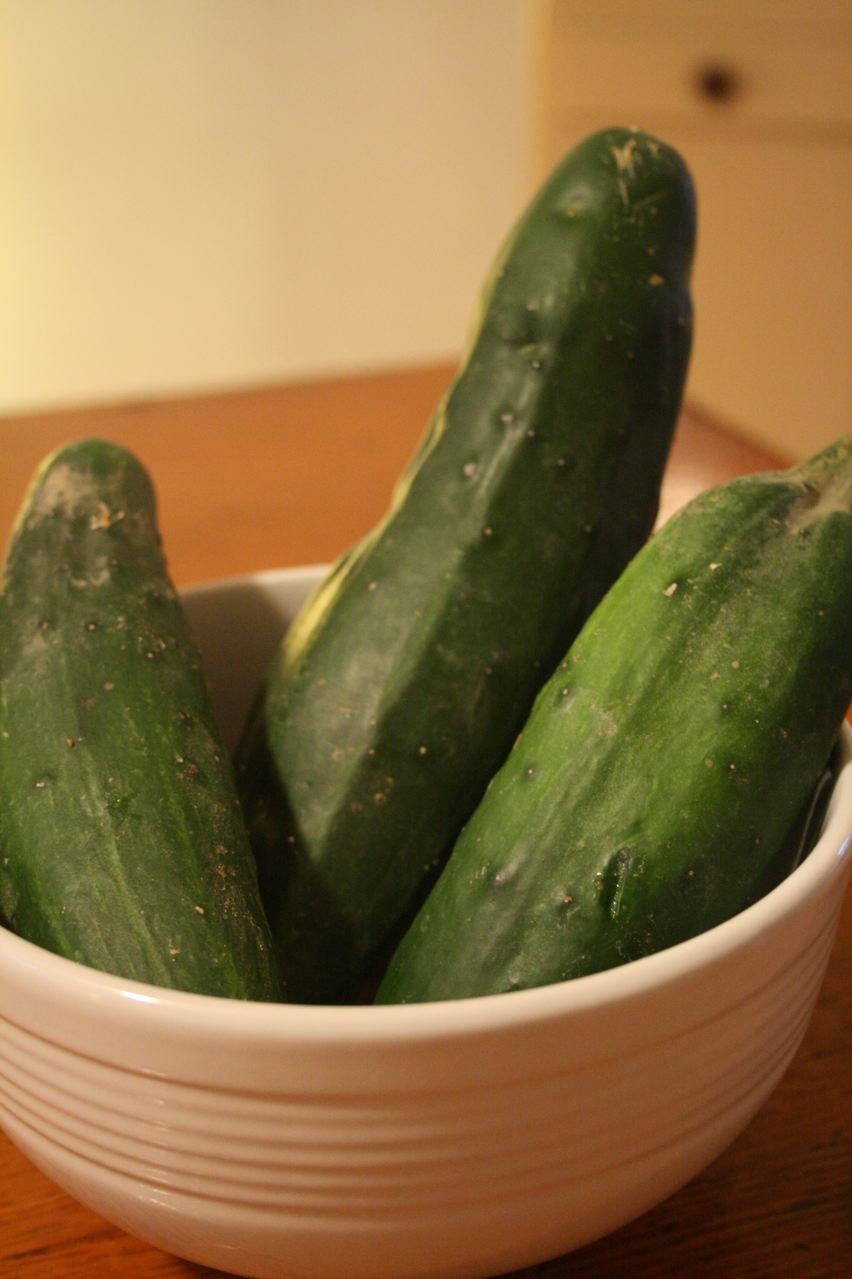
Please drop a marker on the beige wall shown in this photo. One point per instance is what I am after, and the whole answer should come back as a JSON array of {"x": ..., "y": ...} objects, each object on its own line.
[
  {"x": 209, "y": 193},
  {"x": 203, "y": 193}
]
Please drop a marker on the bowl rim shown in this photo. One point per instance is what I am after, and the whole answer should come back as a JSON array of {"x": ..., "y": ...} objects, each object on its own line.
[{"x": 40, "y": 969}]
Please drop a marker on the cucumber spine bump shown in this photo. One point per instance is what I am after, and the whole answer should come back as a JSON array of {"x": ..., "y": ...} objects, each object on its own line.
[
  {"x": 400, "y": 687},
  {"x": 121, "y": 841}
]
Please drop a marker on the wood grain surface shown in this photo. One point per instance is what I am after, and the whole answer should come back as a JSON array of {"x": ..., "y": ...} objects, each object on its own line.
[{"x": 293, "y": 474}]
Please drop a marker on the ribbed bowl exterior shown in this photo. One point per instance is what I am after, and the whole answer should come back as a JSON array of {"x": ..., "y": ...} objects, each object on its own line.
[{"x": 462, "y": 1139}]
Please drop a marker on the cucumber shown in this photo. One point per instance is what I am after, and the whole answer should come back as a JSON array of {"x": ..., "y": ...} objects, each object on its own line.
[
  {"x": 664, "y": 762},
  {"x": 403, "y": 682},
  {"x": 121, "y": 841}
]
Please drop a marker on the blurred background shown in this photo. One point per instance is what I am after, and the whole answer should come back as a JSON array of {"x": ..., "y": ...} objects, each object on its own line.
[{"x": 210, "y": 194}]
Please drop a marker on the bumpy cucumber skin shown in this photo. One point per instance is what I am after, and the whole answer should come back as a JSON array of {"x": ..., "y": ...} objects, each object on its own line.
[
  {"x": 664, "y": 762},
  {"x": 121, "y": 841},
  {"x": 401, "y": 686}
]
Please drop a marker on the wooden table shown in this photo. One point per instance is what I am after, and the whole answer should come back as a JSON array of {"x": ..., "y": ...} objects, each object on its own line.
[{"x": 293, "y": 474}]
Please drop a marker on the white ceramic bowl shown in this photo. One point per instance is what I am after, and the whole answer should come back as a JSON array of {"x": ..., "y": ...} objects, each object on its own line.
[{"x": 446, "y": 1139}]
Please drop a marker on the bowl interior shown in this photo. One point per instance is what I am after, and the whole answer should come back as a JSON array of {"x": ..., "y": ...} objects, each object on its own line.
[{"x": 239, "y": 622}]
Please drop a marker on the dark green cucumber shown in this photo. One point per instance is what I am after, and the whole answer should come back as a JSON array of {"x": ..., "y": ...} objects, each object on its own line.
[
  {"x": 121, "y": 841},
  {"x": 665, "y": 761},
  {"x": 402, "y": 684}
]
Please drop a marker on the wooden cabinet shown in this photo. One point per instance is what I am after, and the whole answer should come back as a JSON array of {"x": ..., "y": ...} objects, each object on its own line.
[{"x": 756, "y": 95}]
